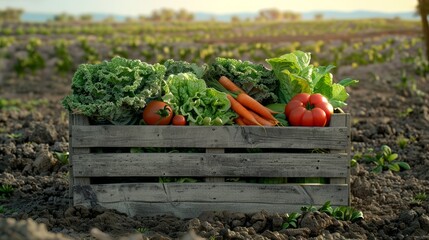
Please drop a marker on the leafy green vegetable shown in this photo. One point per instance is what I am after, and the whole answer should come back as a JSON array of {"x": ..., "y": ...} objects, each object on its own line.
[
  {"x": 297, "y": 75},
  {"x": 175, "y": 67},
  {"x": 115, "y": 90},
  {"x": 255, "y": 79},
  {"x": 188, "y": 95}
]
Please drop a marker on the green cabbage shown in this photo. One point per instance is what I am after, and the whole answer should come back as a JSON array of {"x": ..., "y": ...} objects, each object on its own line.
[
  {"x": 189, "y": 95},
  {"x": 114, "y": 91}
]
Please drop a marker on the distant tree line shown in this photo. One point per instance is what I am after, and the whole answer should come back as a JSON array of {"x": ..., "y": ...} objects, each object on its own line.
[
  {"x": 10, "y": 15},
  {"x": 161, "y": 15}
]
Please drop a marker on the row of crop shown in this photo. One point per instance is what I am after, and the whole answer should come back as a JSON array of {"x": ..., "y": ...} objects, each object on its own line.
[
  {"x": 209, "y": 30},
  {"x": 69, "y": 53}
]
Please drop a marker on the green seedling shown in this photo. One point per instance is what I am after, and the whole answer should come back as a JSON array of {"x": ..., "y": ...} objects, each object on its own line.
[
  {"x": 406, "y": 112},
  {"x": 63, "y": 157},
  {"x": 310, "y": 208},
  {"x": 14, "y": 136},
  {"x": 344, "y": 213},
  {"x": 386, "y": 160},
  {"x": 402, "y": 142},
  {"x": 6, "y": 190},
  {"x": 419, "y": 198},
  {"x": 291, "y": 220},
  {"x": 142, "y": 230}
]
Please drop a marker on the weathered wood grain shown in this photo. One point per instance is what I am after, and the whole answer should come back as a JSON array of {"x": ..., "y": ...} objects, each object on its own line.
[
  {"x": 211, "y": 137},
  {"x": 343, "y": 120},
  {"x": 214, "y": 179},
  {"x": 194, "y": 209},
  {"x": 190, "y": 199},
  {"x": 220, "y": 192},
  {"x": 211, "y": 164},
  {"x": 76, "y": 120}
]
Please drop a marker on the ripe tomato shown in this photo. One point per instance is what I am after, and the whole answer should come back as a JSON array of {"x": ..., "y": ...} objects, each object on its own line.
[
  {"x": 309, "y": 110},
  {"x": 157, "y": 113},
  {"x": 179, "y": 120}
]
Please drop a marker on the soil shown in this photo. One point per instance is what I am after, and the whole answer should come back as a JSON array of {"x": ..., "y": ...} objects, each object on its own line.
[{"x": 383, "y": 112}]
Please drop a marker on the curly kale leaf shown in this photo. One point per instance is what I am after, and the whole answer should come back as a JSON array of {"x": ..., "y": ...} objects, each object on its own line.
[
  {"x": 175, "y": 67},
  {"x": 115, "y": 90},
  {"x": 258, "y": 81}
]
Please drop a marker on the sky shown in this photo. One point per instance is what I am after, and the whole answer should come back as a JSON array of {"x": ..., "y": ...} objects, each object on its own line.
[{"x": 145, "y": 7}]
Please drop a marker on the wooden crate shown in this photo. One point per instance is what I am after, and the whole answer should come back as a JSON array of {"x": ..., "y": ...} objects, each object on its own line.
[{"x": 120, "y": 180}]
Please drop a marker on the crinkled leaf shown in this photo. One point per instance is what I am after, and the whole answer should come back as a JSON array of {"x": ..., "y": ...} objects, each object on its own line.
[
  {"x": 176, "y": 67},
  {"x": 189, "y": 96},
  {"x": 115, "y": 90},
  {"x": 255, "y": 79},
  {"x": 296, "y": 75}
]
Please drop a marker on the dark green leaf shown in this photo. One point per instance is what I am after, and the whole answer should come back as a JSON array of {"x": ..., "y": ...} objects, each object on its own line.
[{"x": 404, "y": 165}]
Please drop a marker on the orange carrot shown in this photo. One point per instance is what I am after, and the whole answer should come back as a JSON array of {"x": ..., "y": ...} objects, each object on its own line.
[
  {"x": 262, "y": 120},
  {"x": 230, "y": 85},
  {"x": 248, "y": 123},
  {"x": 241, "y": 110},
  {"x": 240, "y": 121},
  {"x": 250, "y": 103}
]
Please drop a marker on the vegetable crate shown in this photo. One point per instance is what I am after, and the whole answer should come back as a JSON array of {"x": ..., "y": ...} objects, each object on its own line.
[{"x": 230, "y": 165}]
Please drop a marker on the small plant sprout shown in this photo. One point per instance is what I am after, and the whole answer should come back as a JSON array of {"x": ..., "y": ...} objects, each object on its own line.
[
  {"x": 14, "y": 136},
  {"x": 6, "y": 190},
  {"x": 402, "y": 142},
  {"x": 63, "y": 157},
  {"x": 419, "y": 198},
  {"x": 386, "y": 160},
  {"x": 344, "y": 213},
  {"x": 310, "y": 208},
  {"x": 142, "y": 229},
  {"x": 406, "y": 112},
  {"x": 291, "y": 220}
]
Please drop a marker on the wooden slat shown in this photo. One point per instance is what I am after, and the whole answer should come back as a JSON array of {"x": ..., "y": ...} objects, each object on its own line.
[
  {"x": 210, "y": 137},
  {"x": 76, "y": 181},
  {"x": 194, "y": 209},
  {"x": 208, "y": 164},
  {"x": 343, "y": 120},
  {"x": 215, "y": 179},
  {"x": 220, "y": 192}
]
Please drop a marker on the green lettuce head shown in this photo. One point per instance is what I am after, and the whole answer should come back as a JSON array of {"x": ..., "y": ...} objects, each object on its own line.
[{"x": 189, "y": 96}]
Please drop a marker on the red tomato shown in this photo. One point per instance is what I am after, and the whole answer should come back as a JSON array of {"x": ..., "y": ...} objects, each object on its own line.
[
  {"x": 294, "y": 103},
  {"x": 302, "y": 97},
  {"x": 179, "y": 120},
  {"x": 157, "y": 113},
  {"x": 309, "y": 110}
]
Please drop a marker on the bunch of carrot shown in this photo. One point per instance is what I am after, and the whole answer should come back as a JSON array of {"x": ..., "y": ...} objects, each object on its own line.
[{"x": 250, "y": 111}]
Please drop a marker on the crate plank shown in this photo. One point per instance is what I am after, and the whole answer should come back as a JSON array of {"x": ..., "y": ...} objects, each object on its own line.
[
  {"x": 208, "y": 164},
  {"x": 193, "y": 209},
  {"x": 76, "y": 120},
  {"x": 215, "y": 179},
  {"x": 211, "y": 137},
  {"x": 219, "y": 192}
]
